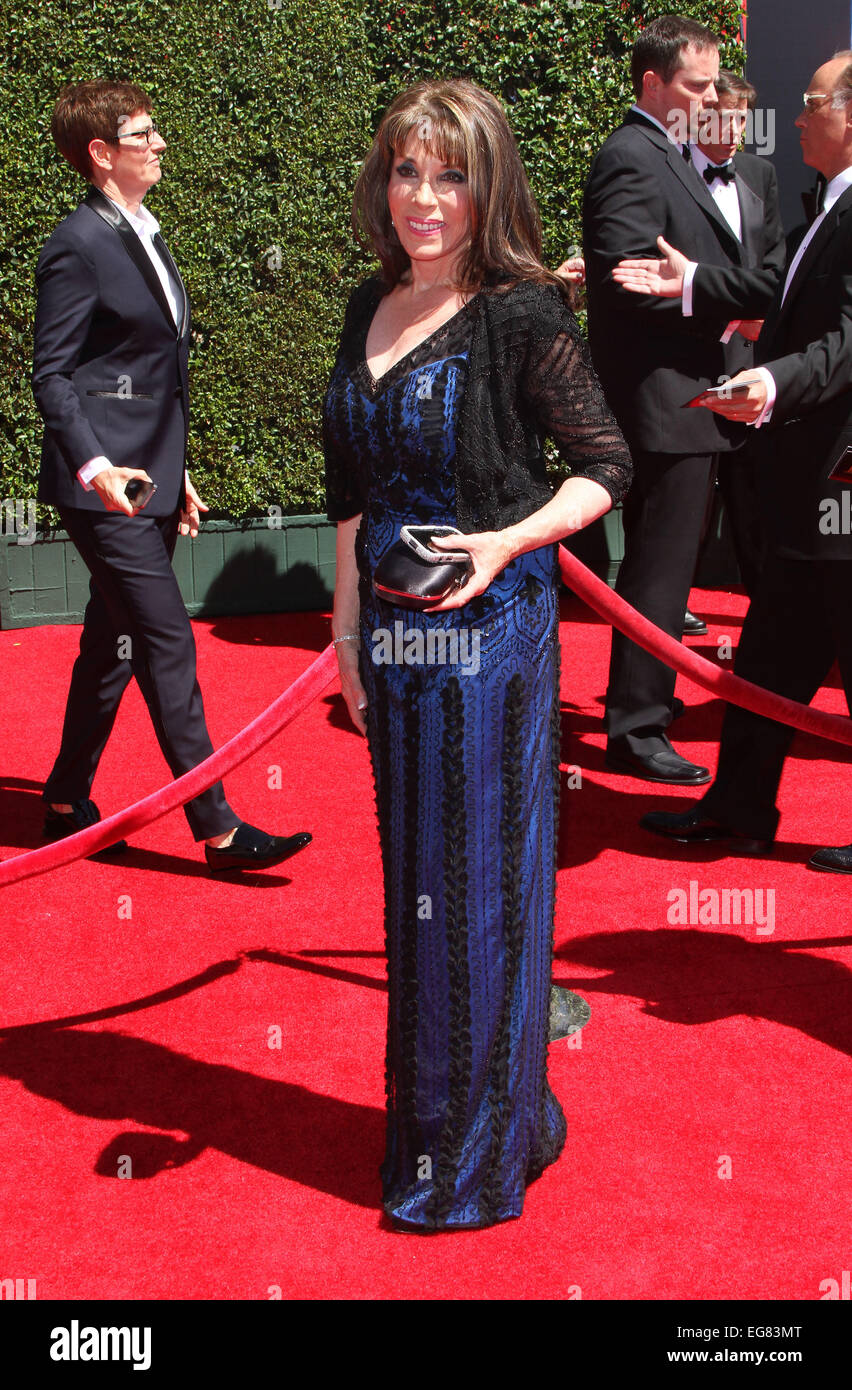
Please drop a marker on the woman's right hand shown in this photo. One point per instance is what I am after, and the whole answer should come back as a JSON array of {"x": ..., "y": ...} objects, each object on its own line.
[{"x": 350, "y": 683}]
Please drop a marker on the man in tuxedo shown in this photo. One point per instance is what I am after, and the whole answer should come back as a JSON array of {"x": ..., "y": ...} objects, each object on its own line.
[
  {"x": 717, "y": 157},
  {"x": 801, "y": 399},
  {"x": 654, "y": 354},
  {"x": 110, "y": 381}
]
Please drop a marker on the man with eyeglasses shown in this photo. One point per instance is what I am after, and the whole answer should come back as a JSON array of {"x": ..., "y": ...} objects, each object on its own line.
[
  {"x": 110, "y": 380},
  {"x": 801, "y": 398}
]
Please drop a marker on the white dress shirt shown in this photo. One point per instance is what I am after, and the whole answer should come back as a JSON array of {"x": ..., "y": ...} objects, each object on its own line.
[
  {"x": 835, "y": 190},
  {"x": 724, "y": 194},
  {"x": 727, "y": 200},
  {"x": 146, "y": 226}
]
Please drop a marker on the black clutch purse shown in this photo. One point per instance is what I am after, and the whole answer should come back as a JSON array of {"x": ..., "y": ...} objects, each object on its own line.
[{"x": 412, "y": 575}]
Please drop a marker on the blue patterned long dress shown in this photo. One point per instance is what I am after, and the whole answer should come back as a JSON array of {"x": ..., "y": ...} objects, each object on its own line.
[{"x": 465, "y": 760}]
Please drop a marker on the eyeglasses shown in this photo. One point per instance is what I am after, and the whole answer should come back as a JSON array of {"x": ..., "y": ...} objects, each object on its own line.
[
  {"x": 148, "y": 131},
  {"x": 814, "y": 100}
]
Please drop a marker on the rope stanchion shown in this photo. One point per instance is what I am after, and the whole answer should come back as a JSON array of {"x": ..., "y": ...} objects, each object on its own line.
[
  {"x": 273, "y": 719},
  {"x": 725, "y": 684},
  {"x": 313, "y": 681}
]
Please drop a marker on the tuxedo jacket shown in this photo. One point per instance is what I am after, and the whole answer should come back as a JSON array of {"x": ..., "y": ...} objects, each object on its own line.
[
  {"x": 806, "y": 344},
  {"x": 109, "y": 362},
  {"x": 650, "y": 358}
]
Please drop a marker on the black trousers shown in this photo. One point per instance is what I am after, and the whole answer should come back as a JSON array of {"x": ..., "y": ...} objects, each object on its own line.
[
  {"x": 797, "y": 625},
  {"x": 738, "y": 485},
  {"x": 135, "y": 624},
  {"x": 663, "y": 518}
]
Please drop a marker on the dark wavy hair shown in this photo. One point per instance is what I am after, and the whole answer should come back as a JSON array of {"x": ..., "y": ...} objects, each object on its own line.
[{"x": 465, "y": 126}]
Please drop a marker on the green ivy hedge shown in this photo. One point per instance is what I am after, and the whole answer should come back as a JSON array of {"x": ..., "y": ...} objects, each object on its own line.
[
  {"x": 560, "y": 68},
  {"x": 267, "y": 109}
]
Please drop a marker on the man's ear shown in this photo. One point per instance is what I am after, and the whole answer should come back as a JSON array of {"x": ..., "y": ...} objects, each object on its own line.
[
  {"x": 650, "y": 83},
  {"x": 100, "y": 154}
]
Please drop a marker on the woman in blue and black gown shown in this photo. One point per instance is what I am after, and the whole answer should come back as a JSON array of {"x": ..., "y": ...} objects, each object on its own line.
[{"x": 454, "y": 365}]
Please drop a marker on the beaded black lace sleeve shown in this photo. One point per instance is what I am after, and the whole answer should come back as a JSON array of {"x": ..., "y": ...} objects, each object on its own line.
[
  {"x": 530, "y": 377},
  {"x": 567, "y": 400}
]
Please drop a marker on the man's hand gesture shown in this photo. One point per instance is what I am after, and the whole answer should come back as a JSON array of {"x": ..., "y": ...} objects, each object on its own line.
[{"x": 662, "y": 278}]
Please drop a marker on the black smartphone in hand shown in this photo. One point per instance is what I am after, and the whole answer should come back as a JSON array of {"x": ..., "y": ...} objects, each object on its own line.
[{"x": 139, "y": 491}]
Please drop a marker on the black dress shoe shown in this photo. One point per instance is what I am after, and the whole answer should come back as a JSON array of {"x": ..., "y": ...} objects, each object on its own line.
[
  {"x": 663, "y": 766},
  {"x": 695, "y": 828},
  {"x": 693, "y": 626},
  {"x": 58, "y": 825},
  {"x": 677, "y": 707},
  {"x": 254, "y": 849},
  {"x": 832, "y": 861}
]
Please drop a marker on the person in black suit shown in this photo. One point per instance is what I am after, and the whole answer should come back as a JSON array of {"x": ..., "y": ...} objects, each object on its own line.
[
  {"x": 718, "y": 158},
  {"x": 801, "y": 398},
  {"x": 110, "y": 380},
  {"x": 654, "y": 354}
]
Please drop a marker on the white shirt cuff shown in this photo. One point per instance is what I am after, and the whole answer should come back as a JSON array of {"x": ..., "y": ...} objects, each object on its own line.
[
  {"x": 771, "y": 396},
  {"x": 91, "y": 469},
  {"x": 686, "y": 296}
]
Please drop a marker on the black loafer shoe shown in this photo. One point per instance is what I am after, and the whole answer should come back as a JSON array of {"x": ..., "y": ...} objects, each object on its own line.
[
  {"x": 254, "y": 849},
  {"x": 832, "y": 861},
  {"x": 58, "y": 825},
  {"x": 693, "y": 626},
  {"x": 695, "y": 828},
  {"x": 664, "y": 766}
]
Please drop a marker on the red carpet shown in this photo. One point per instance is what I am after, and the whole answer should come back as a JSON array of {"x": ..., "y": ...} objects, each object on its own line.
[{"x": 714, "y": 1048}]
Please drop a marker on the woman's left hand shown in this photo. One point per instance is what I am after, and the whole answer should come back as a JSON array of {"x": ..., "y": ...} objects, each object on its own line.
[{"x": 490, "y": 552}]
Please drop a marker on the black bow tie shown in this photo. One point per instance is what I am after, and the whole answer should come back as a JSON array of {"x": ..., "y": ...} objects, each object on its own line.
[{"x": 725, "y": 172}]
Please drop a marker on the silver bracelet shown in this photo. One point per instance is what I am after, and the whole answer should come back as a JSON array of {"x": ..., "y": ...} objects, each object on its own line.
[{"x": 347, "y": 637}]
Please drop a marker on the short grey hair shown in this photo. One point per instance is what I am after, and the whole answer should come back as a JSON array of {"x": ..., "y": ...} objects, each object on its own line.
[{"x": 843, "y": 90}]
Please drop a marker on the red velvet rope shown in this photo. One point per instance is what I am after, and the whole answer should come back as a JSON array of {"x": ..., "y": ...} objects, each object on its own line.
[
  {"x": 306, "y": 687},
  {"x": 725, "y": 684},
  {"x": 273, "y": 719}
]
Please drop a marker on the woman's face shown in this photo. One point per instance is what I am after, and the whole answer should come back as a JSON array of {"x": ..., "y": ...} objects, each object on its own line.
[{"x": 429, "y": 205}]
